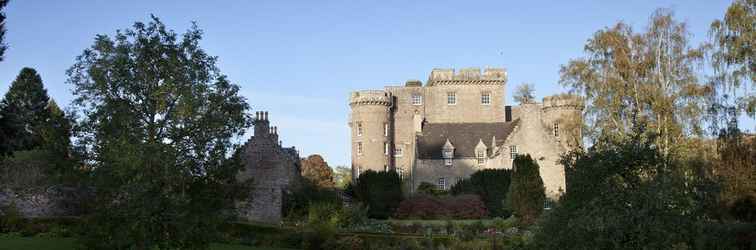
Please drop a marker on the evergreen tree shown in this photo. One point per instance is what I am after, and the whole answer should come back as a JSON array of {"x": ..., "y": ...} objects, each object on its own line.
[
  {"x": 526, "y": 195},
  {"x": 3, "y": 47},
  {"x": 380, "y": 191},
  {"x": 158, "y": 120},
  {"x": 24, "y": 111},
  {"x": 491, "y": 185}
]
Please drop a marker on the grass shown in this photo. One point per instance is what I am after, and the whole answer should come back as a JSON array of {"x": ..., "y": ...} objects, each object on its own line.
[{"x": 44, "y": 243}]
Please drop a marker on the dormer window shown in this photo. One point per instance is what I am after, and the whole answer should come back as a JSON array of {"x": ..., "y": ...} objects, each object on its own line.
[
  {"x": 481, "y": 156},
  {"x": 448, "y": 153}
]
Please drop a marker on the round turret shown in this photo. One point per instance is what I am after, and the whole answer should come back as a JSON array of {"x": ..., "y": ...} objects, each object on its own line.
[
  {"x": 369, "y": 124},
  {"x": 563, "y": 117}
]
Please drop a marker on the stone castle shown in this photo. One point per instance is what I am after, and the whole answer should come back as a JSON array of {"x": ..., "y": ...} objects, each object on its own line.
[
  {"x": 456, "y": 124},
  {"x": 273, "y": 169}
]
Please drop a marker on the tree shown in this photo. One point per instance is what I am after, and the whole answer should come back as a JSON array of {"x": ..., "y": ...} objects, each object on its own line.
[
  {"x": 629, "y": 78},
  {"x": 732, "y": 41},
  {"x": 25, "y": 111},
  {"x": 526, "y": 195},
  {"x": 342, "y": 176},
  {"x": 157, "y": 123},
  {"x": 315, "y": 169},
  {"x": 3, "y": 47},
  {"x": 624, "y": 195},
  {"x": 524, "y": 93},
  {"x": 491, "y": 185},
  {"x": 380, "y": 191}
]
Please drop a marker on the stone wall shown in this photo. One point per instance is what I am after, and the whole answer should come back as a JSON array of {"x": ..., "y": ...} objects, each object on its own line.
[
  {"x": 273, "y": 170},
  {"x": 54, "y": 201}
]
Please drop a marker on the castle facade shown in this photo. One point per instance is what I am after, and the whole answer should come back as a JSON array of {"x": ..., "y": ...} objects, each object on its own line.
[{"x": 458, "y": 123}]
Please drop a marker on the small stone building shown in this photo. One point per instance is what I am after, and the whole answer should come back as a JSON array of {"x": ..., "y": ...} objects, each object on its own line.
[
  {"x": 273, "y": 169},
  {"x": 456, "y": 124}
]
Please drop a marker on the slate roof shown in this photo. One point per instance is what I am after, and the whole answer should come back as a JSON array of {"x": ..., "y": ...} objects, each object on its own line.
[{"x": 464, "y": 137}]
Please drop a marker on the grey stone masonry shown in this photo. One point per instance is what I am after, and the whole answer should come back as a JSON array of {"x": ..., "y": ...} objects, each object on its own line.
[{"x": 273, "y": 169}]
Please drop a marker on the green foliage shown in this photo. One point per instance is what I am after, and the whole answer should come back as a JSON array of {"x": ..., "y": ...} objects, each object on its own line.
[
  {"x": 24, "y": 112},
  {"x": 648, "y": 77},
  {"x": 3, "y": 47},
  {"x": 524, "y": 93},
  {"x": 380, "y": 191},
  {"x": 491, "y": 185},
  {"x": 733, "y": 42},
  {"x": 158, "y": 119},
  {"x": 526, "y": 194},
  {"x": 296, "y": 205},
  {"x": 621, "y": 196},
  {"x": 342, "y": 176},
  {"x": 10, "y": 219},
  {"x": 430, "y": 189}
]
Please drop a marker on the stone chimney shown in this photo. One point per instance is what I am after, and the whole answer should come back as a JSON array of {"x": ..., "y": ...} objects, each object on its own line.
[{"x": 262, "y": 125}]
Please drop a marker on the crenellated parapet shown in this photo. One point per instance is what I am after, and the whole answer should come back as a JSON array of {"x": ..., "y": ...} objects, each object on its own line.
[
  {"x": 370, "y": 97},
  {"x": 468, "y": 76},
  {"x": 563, "y": 101}
]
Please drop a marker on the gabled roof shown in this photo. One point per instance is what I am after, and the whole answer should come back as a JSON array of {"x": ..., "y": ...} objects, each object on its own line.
[{"x": 464, "y": 137}]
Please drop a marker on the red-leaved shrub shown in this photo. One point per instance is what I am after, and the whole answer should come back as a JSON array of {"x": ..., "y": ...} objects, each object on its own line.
[{"x": 428, "y": 207}]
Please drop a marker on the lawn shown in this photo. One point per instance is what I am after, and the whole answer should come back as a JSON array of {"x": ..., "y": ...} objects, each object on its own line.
[{"x": 43, "y": 243}]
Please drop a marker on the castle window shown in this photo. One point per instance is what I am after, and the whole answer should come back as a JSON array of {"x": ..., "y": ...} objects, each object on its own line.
[
  {"x": 359, "y": 128},
  {"x": 485, "y": 98},
  {"x": 385, "y": 129},
  {"x": 359, "y": 148},
  {"x": 400, "y": 171},
  {"x": 417, "y": 99},
  {"x": 481, "y": 156},
  {"x": 451, "y": 98},
  {"x": 398, "y": 151},
  {"x": 513, "y": 151},
  {"x": 441, "y": 183},
  {"x": 556, "y": 129},
  {"x": 385, "y": 148},
  {"x": 385, "y": 168}
]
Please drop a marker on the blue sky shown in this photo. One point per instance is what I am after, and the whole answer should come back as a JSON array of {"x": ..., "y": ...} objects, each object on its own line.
[{"x": 300, "y": 59}]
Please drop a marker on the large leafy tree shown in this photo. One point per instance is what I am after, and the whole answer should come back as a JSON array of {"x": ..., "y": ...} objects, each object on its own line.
[
  {"x": 646, "y": 78},
  {"x": 157, "y": 123},
  {"x": 625, "y": 195},
  {"x": 734, "y": 69},
  {"x": 526, "y": 194},
  {"x": 3, "y": 47},
  {"x": 525, "y": 93},
  {"x": 317, "y": 171}
]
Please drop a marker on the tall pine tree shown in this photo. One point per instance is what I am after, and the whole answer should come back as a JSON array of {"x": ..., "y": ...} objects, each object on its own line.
[{"x": 24, "y": 111}]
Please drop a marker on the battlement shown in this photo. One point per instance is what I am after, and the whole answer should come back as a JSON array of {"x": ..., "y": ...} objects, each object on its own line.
[
  {"x": 467, "y": 76},
  {"x": 370, "y": 97},
  {"x": 563, "y": 101}
]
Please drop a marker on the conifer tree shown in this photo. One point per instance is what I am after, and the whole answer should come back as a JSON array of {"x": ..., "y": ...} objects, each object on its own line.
[
  {"x": 526, "y": 193},
  {"x": 24, "y": 111}
]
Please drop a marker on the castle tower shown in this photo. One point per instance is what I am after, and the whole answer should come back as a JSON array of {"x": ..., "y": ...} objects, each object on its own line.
[
  {"x": 562, "y": 116},
  {"x": 370, "y": 125}
]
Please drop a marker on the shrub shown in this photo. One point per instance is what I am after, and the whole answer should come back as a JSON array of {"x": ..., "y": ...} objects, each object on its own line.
[
  {"x": 491, "y": 185},
  {"x": 466, "y": 207},
  {"x": 380, "y": 191},
  {"x": 10, "y": 219},
  {"x": 526, "y": 195},
  {"x": 296, "y": 204},
  {"x": 421, "y": 207}
]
